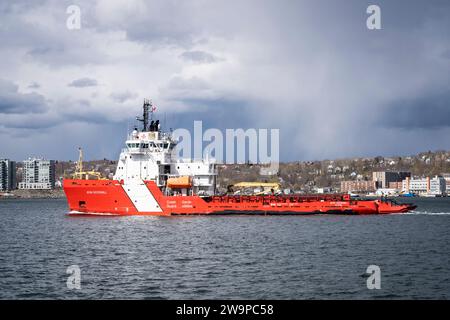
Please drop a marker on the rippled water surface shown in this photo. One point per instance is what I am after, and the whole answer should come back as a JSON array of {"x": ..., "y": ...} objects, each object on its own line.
[{"x": 229, "y": 257}]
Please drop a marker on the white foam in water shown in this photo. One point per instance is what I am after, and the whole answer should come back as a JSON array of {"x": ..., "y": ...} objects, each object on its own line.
[
  {"x": 74, "y": 212},
  {"x": 428, "y": 213}
]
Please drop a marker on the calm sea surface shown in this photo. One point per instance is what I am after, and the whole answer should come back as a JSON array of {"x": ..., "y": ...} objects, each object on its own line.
[{"x": 223, "y": 257}]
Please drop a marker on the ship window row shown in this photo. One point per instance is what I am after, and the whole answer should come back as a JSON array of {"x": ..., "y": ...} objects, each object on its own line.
[{"x": 147, "y": 145}]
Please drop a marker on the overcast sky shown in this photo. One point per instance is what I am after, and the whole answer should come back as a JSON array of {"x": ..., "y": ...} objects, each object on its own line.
[{"x": 310, "y": 68}]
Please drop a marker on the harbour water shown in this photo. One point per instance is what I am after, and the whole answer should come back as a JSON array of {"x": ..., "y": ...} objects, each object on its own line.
[{"x": 223, "y": 257}]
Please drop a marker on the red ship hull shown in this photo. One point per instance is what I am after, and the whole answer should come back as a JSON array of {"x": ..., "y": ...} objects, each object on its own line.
[{"x": 111, "y": 197}]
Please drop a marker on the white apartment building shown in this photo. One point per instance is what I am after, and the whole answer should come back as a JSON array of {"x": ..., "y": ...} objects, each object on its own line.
[
  {"x": 38, "y": 174},
  {"x": 433, "y": 186}
]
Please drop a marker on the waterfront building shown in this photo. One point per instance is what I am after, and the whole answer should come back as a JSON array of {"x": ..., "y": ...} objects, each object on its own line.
[
  {"x": 396, "y": 185},
  {"x": 357, "y": 186},
  {"x": 384, "y": 178},
  {"x": 38, "y": 174},
  {"x": 7, "y": 175},
  {"x": 446, "y": 176},
  {"x": 431, "y": 186},
  {"x": 324, "y": 190}
]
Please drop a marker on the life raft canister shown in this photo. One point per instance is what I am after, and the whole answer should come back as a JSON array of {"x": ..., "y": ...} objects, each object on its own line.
[{"x": 182, "y": 182}]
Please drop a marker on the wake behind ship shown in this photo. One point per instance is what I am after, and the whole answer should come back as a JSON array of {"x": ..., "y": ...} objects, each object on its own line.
[{"x": 151, "y": 180}]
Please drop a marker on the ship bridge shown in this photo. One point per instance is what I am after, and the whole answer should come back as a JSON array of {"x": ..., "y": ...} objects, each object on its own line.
[{"x": 144, "y": 142}]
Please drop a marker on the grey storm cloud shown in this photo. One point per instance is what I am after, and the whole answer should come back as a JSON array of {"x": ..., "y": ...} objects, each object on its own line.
[
  {"x": 34, "y": 85},
  {"x": 121, "y": 97},
  {"x": 14, "y": 102},
  {"x": 431, "y": 111},
  {"x": 199, "y": 56},
  {"x": 156, "y": 22},
  {"x": 446, "y": 54},
  {"x": 83, "y": 82},
  {"x": 310, "y": 68}
]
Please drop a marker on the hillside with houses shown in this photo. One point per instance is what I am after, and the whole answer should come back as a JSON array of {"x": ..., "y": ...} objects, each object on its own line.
[
  {"x": 304, "y": 176},
  {"x": 299, "y": 176}
]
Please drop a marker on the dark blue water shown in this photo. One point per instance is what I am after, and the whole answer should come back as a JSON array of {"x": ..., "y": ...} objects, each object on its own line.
[{"x": 241, "y": 257}]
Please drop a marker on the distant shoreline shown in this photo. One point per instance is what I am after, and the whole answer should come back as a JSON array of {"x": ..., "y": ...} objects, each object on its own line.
[{"x": 34, "y": 194}]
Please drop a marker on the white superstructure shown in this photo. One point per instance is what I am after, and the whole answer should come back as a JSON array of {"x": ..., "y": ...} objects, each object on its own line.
[{"x": 150, "y": 154}]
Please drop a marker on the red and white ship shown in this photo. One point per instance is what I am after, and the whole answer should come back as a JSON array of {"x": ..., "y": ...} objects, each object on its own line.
[{"x": 151, "y": 180}]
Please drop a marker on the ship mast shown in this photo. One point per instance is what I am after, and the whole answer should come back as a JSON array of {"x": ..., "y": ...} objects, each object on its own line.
[
  {"x": 147, "y": 108},
  {"x": 80, "y": 174},
  {"x": 79, "y": 167}
]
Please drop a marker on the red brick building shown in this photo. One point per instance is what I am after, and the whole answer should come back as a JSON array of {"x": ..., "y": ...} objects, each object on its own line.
[
  {"x": 357, "y": 186},
  {"x": 396, "y": 185}
]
